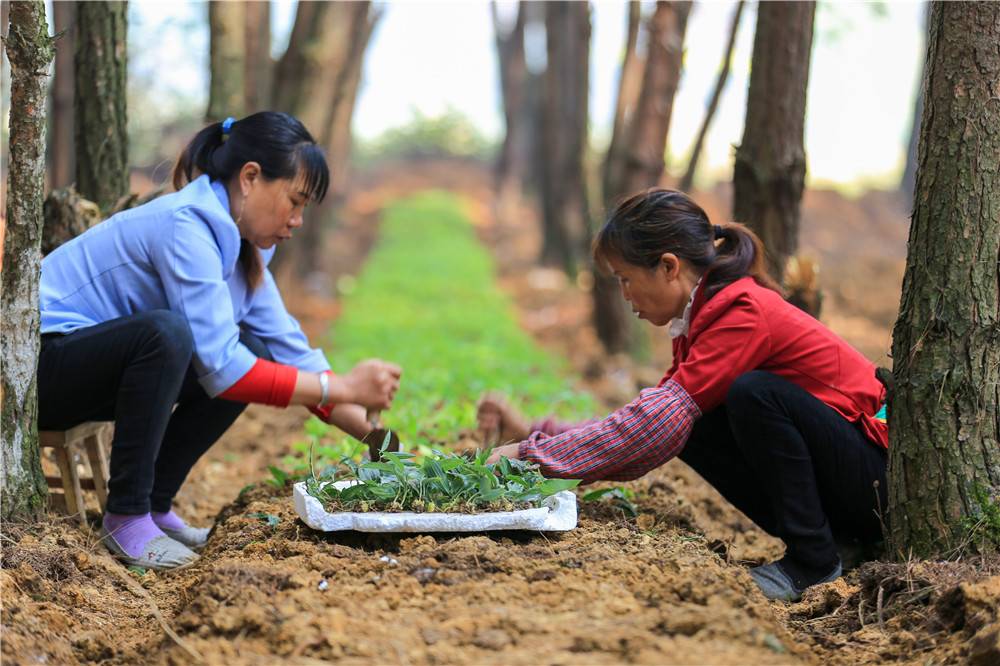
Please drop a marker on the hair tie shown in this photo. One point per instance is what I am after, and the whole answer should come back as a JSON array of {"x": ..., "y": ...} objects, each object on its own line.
[
  {"x": 719, "y": 231},
  {"x": 227, "y": 126}
]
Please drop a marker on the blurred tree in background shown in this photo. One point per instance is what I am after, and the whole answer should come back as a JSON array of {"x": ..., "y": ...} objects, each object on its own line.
[
  {"x": 101, "y": 68},
  {"x": 770, "y": 165}
]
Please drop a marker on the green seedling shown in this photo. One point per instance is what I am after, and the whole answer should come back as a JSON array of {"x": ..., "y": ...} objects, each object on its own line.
[
  {"x": 619, "y": 496},
  {"x": 268, "y": 518},
  {"x": 437, "y": 482},
  {"x": 278, "y": 476}
]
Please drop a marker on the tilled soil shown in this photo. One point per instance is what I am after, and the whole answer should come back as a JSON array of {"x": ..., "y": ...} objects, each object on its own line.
[{"x": 666, "y": 586}]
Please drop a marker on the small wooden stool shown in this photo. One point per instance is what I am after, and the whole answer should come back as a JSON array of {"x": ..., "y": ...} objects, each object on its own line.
[{"x": 94, "y": 440}]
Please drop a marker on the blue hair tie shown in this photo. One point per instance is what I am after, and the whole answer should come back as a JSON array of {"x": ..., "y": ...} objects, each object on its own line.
[{"x": 227, "y": 126}]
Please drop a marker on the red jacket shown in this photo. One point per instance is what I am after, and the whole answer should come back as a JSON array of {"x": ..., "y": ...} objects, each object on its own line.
[{"x": 748, "y": 327}]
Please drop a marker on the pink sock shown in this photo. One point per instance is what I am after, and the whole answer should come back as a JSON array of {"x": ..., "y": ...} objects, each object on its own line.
[
  {"x": 132, "y": 532},
  {"x": 168, "y": 520}
]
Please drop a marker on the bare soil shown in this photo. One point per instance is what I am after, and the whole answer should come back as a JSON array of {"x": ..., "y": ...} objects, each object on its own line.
[{"x": 668, "y": 586}]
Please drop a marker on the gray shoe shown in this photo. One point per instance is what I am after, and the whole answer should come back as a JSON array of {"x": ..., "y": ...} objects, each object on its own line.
[
  {"x": 161, "y": 552},
  {"x": 194, "y": 538},
  {"x": 777, "y": 585}
]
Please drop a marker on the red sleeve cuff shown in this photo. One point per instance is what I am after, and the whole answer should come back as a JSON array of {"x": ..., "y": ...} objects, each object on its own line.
[{"x": 266, "y": 383}]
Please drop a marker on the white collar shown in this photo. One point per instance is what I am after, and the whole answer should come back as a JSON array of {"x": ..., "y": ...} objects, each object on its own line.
[{"x": 679, "y": 326}]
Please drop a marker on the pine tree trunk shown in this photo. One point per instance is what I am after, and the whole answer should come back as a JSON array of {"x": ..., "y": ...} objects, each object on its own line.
[
  {"x": 101, "y": 61},
  {"x": 30, "y": 51},
  {"x": 317, "y": 81},
  {"x": 612, "y": 318},
  {"x": 513, "y": 158},
  {"x": 647, "y": 137},
  {"x": 770, "y": 168},
  {"x": 629, "y": 84},
  {"x": 565, "y": 214},
  {"x": 61, "y": 161},
  {"x": 720, "y": 84},
  {"x": 258, "y": 66},
  {"x": 227, "y": 25},
  {"x": 637, "y": 163},
  {"x": 944, "y": 428}
]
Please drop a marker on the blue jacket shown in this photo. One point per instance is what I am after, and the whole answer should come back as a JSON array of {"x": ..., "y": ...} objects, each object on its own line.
[{"x": 178, "y": 252}]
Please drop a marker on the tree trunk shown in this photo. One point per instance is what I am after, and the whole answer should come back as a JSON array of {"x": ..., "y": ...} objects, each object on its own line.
[
  {"x": 638, "y": 163},
  {"x": 101, "y": 62},
  {"x": 258, "y": 65},
  {"x": 564, "y": 134},
  {"x": 628, "y": 96},
  {"x": 30, "y": 50},
  {"x": 944, "y": 434},
  {"x": 713, "y": 104},
  {"x": 612, "y": 318},
  {"x": 317, "y": 81},
  {"x": 61, "y": 160},
  {"x": 647, "y": 140},
  {"x": 227, "y": 24},
  {"x": 770, "y": 169},
  {"x": 513, "y": 158}
]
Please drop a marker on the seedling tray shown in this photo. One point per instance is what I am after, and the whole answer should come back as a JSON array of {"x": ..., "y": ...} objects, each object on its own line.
[{"x": 557, "y": 514}]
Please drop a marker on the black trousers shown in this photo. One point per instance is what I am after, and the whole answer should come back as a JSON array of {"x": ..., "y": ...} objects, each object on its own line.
[
  {"x": 134, "y": 371},
  {"x": 793, "y": 465}
]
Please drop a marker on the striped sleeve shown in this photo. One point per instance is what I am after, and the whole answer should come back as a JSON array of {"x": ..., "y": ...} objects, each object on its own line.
[{"x": 630, "y": 442}]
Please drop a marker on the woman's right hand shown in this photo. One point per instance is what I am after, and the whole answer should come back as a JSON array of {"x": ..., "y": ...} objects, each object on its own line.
[{"x": 373, "y": 383}]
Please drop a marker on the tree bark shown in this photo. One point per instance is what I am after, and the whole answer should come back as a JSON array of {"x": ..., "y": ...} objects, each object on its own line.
[
  {"x": 770, "y": 169},
  {"x": 62, "y": 165},
  {"x": 317, "y": 81},
  {"x": 227, "y": 23},
  {"x": 612, "y": 319},
  {"x": 30, "y": 51},
  {"x": 258, "y": 66},
  {"x": 713, "y": 104},
  {"x": 101, "y": 65},
  {"x": 637, "y": 164},
  {"x": 944, "y": 434},
  {"x": 512, "y": 161},
  {"x": 564, "y": 134},
  {"x": 647, "y": 141},
  {"x": 628, "y": 96}
]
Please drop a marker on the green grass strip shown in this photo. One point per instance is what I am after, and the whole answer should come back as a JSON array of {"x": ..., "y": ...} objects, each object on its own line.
[{"x": 427, "y": 299}]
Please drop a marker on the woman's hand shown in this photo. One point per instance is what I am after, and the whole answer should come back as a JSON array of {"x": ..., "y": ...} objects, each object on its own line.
[
  {"x": 350, "y": 418},
  {"x": 507, "y": 451},
  {"x": 372, "y": 383},
  {"x": 499, "y": 422}
]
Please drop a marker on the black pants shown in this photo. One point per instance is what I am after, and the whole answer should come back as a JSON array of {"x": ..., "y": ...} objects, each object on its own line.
[
  {"x": 793, "y": 465},
  {"x": 134, "y": 370}
]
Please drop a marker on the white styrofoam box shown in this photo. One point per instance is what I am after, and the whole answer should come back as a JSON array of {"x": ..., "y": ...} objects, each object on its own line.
[{"x": 557, "y": 514}]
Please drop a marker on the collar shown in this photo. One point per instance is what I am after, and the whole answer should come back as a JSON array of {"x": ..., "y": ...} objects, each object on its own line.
[
  {"x": 679, "y": 326},
  {"x": 219, "y": 189}
]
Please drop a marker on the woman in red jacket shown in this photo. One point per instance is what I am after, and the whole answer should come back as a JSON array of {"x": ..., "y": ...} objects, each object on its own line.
[{"x": 780, "y": 415}]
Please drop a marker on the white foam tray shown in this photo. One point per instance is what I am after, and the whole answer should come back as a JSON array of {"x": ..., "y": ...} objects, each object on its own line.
[{"x": 557, "y": 514}]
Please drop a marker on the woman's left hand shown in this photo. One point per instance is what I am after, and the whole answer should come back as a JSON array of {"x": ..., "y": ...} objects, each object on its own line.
[
  {"x": 506, "y": 451},
  {"x": 352, "y": 419}
]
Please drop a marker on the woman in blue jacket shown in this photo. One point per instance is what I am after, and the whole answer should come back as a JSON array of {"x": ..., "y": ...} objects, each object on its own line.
[{"x": 165, "y": 319}]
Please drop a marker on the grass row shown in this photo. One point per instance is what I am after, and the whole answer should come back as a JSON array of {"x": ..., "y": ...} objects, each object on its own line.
[{"x": 427, "y": 299}]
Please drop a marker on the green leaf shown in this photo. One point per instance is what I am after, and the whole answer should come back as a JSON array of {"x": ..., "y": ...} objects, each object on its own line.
[{"x": 553, "y": 486}]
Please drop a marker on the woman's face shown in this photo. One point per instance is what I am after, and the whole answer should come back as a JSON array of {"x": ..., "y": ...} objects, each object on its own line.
[
  {"x": 271, "y": 209},
  {"x": 658, "y": 294}
]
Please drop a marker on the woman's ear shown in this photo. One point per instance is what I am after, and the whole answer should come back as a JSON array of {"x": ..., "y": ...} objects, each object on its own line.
[
  {"x": 248, "y": 176},
  {"x": 671, "y": 266}
]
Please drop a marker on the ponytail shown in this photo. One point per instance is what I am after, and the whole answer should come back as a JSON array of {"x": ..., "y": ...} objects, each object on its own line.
[
  {"x": 741, "y": 253},
  {"x": 647, "y": 225},
  {"x": 282, "y": 146}
]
